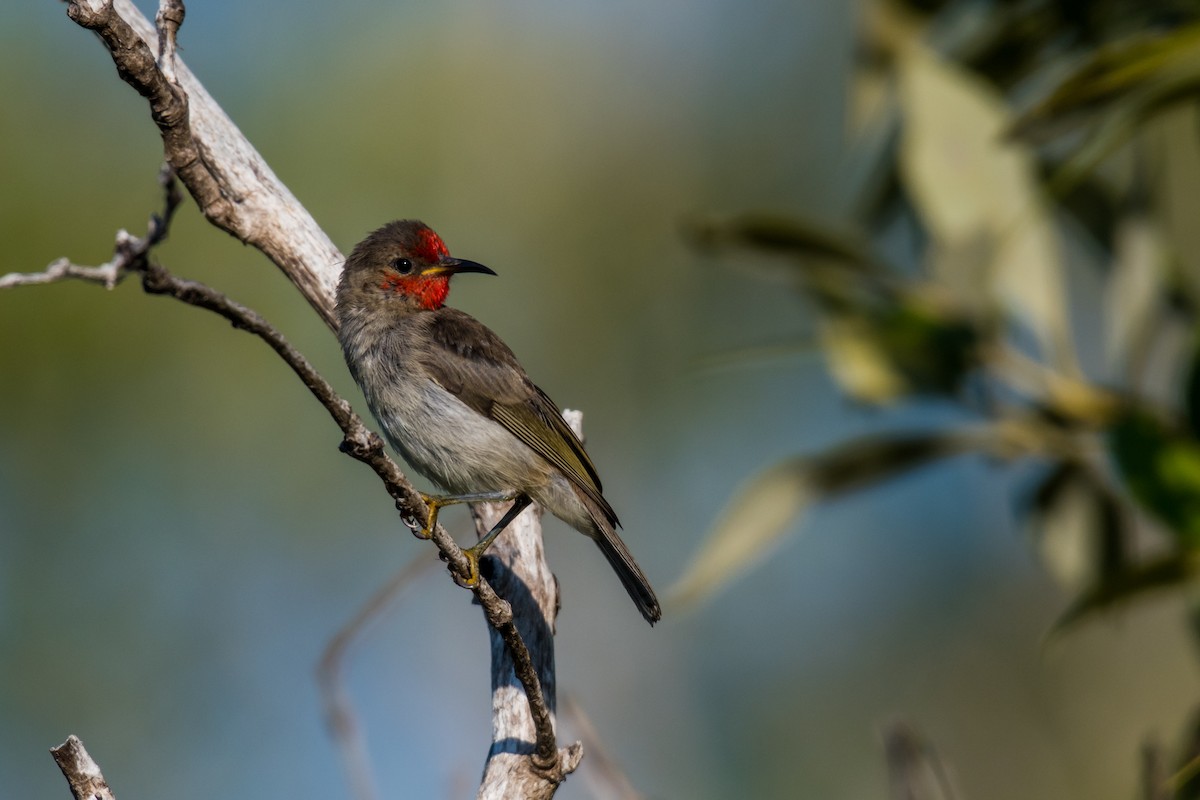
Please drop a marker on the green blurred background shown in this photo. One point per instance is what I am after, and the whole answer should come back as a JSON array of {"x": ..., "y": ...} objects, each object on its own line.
[{"x": 179, "y": 537}]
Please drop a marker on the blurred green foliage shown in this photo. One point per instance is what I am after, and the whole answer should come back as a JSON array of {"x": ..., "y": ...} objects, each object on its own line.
[{"x": 994, "y": 201}]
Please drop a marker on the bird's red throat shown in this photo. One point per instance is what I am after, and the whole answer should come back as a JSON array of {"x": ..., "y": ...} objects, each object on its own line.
[{"x": 429, "y": 290}]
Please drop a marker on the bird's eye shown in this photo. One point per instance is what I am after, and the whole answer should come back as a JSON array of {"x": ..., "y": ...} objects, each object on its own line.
[{"x": 402, "y": 265}]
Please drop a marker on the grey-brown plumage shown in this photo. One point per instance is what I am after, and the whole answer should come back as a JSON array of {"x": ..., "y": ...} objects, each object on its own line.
[{"x": 452, "y": 398}]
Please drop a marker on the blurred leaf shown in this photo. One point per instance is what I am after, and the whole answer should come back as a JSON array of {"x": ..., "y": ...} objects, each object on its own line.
[
  {"x": 1185, "y": 783},
  {"x": 1154, "y": 784},
  {"x": 1140, "y": 64},
  {"x": 1066, "y": 401},
  {"x": 862, "y": 462},
  {"x": 859, "y": 362},
  {"x": 979, "y": 198},
  {"x": 1191, "y": 389},
  {"x": 767, "y": 506},
  {"x": 748, "y": 529},
  {"x": 1161, "y": 468},
  {"x": 782, "y": 235},
  {"x": 1119, "y": 88},
  {"x": 1134, "y": 291},
  {"x": 1173, "y": 154},
  {"x": 1081, "y": 530},
  {"x": 1162, "y": 573},
  {"x": 933, "y": 345},
  {"x": 882, "y": 340},
  {"x": 910, "y": 342}
]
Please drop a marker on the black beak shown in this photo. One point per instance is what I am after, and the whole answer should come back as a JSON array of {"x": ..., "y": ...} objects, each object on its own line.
[{"x": 451, "y": 266}]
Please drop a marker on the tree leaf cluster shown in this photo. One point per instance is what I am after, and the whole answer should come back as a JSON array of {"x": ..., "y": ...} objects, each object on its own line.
[{"x": 995, "y": 194}]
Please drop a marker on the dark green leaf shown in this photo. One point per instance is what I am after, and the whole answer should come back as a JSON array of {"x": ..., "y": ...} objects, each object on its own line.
[
  {"x": 1139, "y": 64},
  {"x": 1161, "y": 468},
  {"x": 872, "y": 459}
]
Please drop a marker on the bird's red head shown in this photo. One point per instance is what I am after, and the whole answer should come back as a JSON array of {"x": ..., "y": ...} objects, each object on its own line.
[{"x": 406, "y": 258}]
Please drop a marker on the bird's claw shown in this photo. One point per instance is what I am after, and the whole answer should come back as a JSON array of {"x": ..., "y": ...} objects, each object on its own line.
[
  {"x": 471, "y": 579},
  {"x": 426, "y": 531},
  {"x": 415, "y": 527}
]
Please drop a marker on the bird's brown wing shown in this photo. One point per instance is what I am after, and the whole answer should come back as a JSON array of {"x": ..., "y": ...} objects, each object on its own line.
[{"x": 476, "y": 366}]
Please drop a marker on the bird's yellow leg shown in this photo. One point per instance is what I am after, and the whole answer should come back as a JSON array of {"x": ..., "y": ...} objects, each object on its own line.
[
  {"x": 435, "y": 505},
  {"x": 473, "y": 554},
  {"x": 437, "y": 502}
]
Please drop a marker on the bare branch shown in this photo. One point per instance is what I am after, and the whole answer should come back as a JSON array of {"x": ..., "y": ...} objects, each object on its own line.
[
  {"x": 516, "y": 567},
  {"x": 129, "y": 252},
  {"x": 230, "y": 181},
  {"x": 238, "y": 192},
  {"x": 82, "y": 773},
  {"x": 108, "y": 274}
]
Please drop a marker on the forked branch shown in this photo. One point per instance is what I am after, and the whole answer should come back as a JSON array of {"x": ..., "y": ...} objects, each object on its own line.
[{"x": 238, "y": 192}]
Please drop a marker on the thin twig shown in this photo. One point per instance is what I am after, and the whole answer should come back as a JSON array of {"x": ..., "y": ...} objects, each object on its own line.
[
  {"x": 107, "y": 275},
  {"x": 607, "y": 778},
  {"x": 232, "y": 184},
  {"x": 915, "y": 771},
  {"x": 129, "y": 253}
]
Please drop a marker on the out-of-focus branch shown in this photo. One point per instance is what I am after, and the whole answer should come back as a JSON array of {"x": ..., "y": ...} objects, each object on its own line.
[
  {"x": 82, "y": 773},
  {"x": 339, "y": 710},
  {"x": 604, "y": 776},
  {"x": 915, "y": 771}
]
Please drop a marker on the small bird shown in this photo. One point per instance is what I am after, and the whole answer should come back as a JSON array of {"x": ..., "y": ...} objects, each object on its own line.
[{"x": 453, "y": 400}]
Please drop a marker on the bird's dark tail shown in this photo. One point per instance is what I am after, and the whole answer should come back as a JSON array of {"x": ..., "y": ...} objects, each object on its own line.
[{"x": 627, "y": 569}]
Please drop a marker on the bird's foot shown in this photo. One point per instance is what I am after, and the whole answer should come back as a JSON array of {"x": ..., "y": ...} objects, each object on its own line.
[
  {"x": 436, "y": 502},
  {"x": 473, "y": 554},
  {"x": 471, "y": 579},
  {"x": 435, "y": 505}
]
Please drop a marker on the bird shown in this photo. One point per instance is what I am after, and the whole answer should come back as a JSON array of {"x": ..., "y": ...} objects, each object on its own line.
[{"x": 454, "y": 401}]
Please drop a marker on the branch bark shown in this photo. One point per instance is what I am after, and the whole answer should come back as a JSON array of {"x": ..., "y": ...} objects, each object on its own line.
[
  {"x": 82, "y": 773},
  {"x": 516, "y": 567},
  {"x": 229, "y": 180}
]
